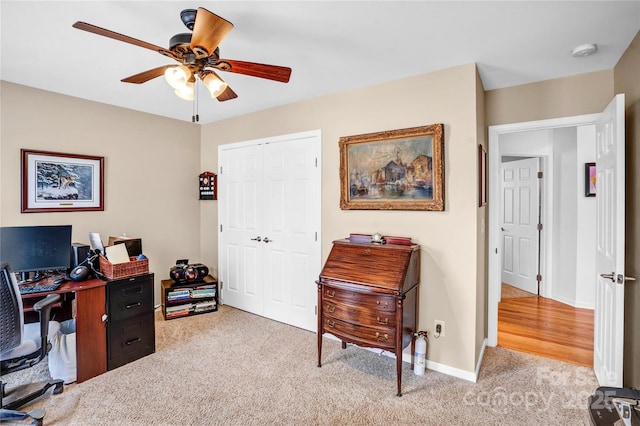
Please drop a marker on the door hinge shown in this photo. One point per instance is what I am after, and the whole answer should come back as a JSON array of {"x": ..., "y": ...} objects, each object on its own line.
[
  {"x": 538, "y": 277},
  {"x": 539, "y": 227},
  {"x": 316, "y": 235},
  {"x": 316, "y": 309},
  {"x": 220, "y": 227},
  {"x": 220, "y": 169},
  {"x": 316, "y": 161},
  {"x": 540, "y": 175}
]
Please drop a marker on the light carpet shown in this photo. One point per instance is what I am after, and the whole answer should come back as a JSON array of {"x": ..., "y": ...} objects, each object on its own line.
[{"x": 234, "y": 368}]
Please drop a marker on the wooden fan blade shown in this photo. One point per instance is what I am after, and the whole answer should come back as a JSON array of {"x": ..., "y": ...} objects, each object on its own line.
[
  {"x": 121, "y": 37},
  {"x": 227, "y": 95},
  {"x": 270, "y": 72},
  {"x": 145, "y": 76},
  {"x": 208, "y": 31}
]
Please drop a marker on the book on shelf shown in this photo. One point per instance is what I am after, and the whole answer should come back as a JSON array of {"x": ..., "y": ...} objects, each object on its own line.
[
  {"x": 203, "y": 293},
  {"x": 205, "y": 306},
  {"x": 176, "y": 314},
  {"x": 184, "y": 307},
  {"x": 205, "y": 287},
  {"x": 175, "y": 295}
]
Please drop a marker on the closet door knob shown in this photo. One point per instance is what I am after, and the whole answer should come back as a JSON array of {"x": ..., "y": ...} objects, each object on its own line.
[{"x": 258, "y": 239}]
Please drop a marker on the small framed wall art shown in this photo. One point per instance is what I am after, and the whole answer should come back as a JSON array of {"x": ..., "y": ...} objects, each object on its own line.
[
  {"x": 59, "y": 182},
  {"x": 208, "y": 186}
]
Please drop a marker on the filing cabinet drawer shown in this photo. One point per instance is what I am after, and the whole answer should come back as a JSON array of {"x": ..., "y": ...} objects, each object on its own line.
[
  {"x": 129, "y": 340},
  {"x": 129, "y": 297}
]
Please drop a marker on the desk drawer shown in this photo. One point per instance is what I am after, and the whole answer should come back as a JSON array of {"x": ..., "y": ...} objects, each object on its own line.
[
  {"x": 129, "y": 340},
  {"x": 129, "y": 297},
  {"x": 373, "y": 301},
  {"x": 384, "y": 337},
  {"x": 359, "y": 315}
]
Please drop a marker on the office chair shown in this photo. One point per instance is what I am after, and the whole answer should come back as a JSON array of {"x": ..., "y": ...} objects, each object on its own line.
[{"x": 23, "y": 346}]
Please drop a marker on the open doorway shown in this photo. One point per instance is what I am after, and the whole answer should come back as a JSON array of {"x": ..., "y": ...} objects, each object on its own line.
[{"x": 561, "y": 266}]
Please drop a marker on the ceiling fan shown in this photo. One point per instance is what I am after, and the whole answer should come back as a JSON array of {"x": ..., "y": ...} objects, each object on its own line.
[{"x": 198, "y": 54}]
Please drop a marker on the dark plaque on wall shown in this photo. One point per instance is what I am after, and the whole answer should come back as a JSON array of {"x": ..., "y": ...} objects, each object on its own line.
[{"x": 208, "y": 186}]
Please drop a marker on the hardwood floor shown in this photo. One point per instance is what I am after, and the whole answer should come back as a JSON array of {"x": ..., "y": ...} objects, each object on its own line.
[{"x": 548, "y": 328}]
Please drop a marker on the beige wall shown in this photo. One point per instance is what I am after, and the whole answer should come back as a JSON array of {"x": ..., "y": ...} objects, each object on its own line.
[
  {"x": 448, "y": 289},
  {"x": 562, "y": 97},
  {"x": 151, "y": 170},
  {"x": 627, "y": 81}
]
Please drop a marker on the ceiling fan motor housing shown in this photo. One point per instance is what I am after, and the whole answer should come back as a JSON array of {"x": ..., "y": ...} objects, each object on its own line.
[
  {"x": 188, "y": 17},
  {"x": 183, "y": 39}
]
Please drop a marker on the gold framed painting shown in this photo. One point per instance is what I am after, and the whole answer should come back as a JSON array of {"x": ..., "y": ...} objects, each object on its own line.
[{"x": 393, "y": 170}]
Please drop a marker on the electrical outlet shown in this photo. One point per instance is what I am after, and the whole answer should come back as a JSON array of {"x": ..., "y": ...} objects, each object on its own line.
[{"x": 438, "y": 327}]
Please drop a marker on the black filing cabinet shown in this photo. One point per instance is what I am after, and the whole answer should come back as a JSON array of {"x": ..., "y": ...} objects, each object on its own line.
[{"x": 131, "y": 329}]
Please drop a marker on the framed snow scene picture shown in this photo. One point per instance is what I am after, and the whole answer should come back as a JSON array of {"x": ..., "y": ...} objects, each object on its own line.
[
  {"x": 393, "y": 170},
  {"x": 56, "y": 182}
]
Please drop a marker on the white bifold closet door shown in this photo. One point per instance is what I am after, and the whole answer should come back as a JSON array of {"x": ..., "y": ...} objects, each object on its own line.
[{"x": 269, "y": 202}]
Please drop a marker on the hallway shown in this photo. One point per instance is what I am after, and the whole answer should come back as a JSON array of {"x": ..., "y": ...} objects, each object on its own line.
[{"x": 545, "y": 327}]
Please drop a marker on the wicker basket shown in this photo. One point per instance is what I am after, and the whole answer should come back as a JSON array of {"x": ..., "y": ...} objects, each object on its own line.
[{"x": 121, "y": 270}]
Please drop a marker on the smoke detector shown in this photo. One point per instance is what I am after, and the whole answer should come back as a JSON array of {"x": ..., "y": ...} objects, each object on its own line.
[{"x": 584, "y": 50}]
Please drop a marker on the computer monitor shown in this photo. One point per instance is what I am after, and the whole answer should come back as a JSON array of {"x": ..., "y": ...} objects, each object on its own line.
[{"x": 36, "y": 248}]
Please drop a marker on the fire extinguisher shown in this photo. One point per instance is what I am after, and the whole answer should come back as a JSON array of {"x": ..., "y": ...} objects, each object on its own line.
[{"x": 419, "y": 358}]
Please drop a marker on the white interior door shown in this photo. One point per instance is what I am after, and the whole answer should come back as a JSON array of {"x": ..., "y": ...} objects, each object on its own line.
[
  {"x": 291, "y": 231},
  {"x": 270, "y": 253},
  {"x": 240, "y": 215},
  {"x": 519, "y": 223},
  {"x": 610, "y": 204}
]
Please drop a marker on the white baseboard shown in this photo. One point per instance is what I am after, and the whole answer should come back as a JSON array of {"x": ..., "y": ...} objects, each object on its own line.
[{"x": 574, "y": 303}]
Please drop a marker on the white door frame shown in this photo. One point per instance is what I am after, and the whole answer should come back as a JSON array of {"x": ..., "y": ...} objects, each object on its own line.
[{"x": 494, "y": 266}]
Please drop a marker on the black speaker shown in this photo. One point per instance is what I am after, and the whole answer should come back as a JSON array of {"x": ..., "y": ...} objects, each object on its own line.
[
  {"x": 79, "y": 253},
  {"x": 80, "y": 273}
]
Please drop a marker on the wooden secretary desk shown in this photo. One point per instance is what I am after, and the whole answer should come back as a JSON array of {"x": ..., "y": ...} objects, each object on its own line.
[{"x": 367, "y": 295}]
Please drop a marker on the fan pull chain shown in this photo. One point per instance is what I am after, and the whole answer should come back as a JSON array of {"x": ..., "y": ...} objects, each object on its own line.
[{"x": 195, "y": 117}]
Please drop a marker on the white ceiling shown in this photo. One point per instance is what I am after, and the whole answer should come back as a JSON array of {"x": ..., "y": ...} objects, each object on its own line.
[{"x": 332, "y": 46}]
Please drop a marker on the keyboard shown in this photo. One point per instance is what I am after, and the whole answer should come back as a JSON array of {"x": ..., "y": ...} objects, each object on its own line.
[{"x": 38, "y": 288}]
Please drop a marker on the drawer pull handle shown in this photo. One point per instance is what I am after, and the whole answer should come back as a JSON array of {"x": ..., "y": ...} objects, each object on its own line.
[
  {"x": 330, "y": 293},
  {"x": 331, "y": 309},
  {"x": 382, "y": 337},
  {"x": 133, "y": 290},
  {"x": 383, "y": 322},
  {"x": 132, "y": 341},
  {"x": 133, "y": 305},
  {"x": 385, "y": 304},
  {"x": 331, "y": 323}
]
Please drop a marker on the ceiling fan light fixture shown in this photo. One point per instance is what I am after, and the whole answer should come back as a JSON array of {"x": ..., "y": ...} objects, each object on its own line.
[
  {"x": 186, "y": 92},
  {"x": 214, "y": 84},
  {"x": 177, "y": 77}
]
